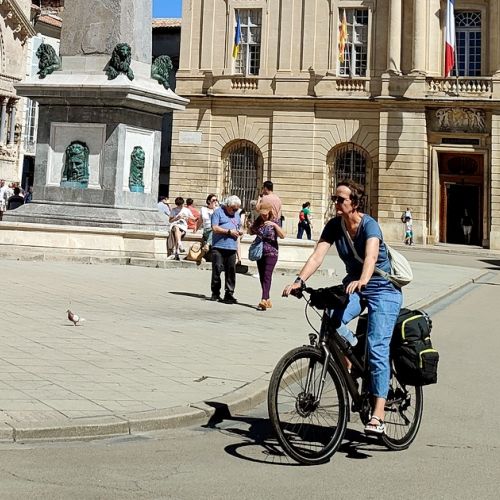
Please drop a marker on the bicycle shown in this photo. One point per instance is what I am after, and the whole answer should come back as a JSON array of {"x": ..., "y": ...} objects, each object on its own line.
[{"x": 308, "y": 396}]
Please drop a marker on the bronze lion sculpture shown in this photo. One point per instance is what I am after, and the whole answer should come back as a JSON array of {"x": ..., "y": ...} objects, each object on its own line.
[{"x": 120, "y": 62}]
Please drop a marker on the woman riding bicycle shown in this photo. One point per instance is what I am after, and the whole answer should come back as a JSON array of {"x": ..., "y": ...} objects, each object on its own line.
[{"x": 363, "y": 285}]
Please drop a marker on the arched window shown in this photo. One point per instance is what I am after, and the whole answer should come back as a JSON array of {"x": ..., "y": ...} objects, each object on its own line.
[
  {"x": 468, "y": 31},
  {"x": 347, "y": 161},
  {"x": 242, "y": 171}
]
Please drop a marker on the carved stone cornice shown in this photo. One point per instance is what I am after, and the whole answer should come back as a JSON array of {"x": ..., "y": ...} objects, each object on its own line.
[{"x": 16, "y": 18}]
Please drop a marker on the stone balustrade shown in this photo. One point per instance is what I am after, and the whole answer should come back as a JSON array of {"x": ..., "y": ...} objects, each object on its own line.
[
  {"x": 351, "y": 85},
  {"x": 463, "y": 86},
  {"x": 244, "y": 83}
]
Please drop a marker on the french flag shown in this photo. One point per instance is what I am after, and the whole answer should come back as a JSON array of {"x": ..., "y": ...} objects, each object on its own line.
[{"x": 450, "y": 42}]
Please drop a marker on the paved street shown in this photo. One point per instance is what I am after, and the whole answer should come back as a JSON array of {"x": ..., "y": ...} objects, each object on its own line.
[
  {"x": 152, "y": 348},
  {"x": 455, "y": 455}
]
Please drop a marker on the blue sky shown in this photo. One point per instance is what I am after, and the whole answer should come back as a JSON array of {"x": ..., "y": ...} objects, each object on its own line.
[{"x": 167, "y": 8}]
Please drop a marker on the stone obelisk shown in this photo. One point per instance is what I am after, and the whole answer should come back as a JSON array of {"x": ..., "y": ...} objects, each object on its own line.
[{"x": 100, "y": 118}]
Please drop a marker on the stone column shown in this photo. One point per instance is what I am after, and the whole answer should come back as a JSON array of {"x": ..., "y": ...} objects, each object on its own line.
[
  {"x": 285, "y": 36},
  {"x": 12, "y": 131},
  {"x": 419, "y": 27},
  {"x": 394, "y": 49},
  {"x": 95, "y": 27},
  {"x": 3, "y": 119},
  {"x": 494, "y": 39}
]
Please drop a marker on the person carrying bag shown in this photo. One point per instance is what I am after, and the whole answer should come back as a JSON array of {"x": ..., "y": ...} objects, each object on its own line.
[{"x": 267, "y": 231}]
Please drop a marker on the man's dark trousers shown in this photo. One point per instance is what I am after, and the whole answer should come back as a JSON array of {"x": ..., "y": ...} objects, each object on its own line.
[{"x": 223, "y": 260}]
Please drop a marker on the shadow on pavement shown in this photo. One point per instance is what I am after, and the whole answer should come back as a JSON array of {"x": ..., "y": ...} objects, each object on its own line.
[
  {"x": 258, "y": 444},
  {"x": 495, "y": 263},
  {"x": 207, "y": 297}
]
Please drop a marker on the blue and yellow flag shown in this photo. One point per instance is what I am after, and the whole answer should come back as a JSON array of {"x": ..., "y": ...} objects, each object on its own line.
[{"x": 237, "y": 37}]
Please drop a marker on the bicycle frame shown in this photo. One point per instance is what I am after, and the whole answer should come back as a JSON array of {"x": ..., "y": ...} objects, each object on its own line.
[{"x": 330, "y": 342}]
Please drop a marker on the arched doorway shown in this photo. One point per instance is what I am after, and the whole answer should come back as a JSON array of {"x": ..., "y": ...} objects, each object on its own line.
[
  {"x": 461, "y": 193},
  {"x": 242, "y": 171},
  {"x": 347, "y": 161}
]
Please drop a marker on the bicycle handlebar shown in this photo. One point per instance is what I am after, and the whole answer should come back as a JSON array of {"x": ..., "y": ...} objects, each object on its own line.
[{"x": 322, "y": 298}]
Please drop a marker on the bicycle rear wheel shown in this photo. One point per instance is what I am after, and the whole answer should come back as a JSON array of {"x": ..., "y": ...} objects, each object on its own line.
[
  {"x": 403, "y": 414},
  {"x": 309, "y": 431}
]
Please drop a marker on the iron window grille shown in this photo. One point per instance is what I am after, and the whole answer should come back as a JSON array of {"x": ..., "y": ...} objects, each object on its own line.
[
  {"x": 243, "y": 172},
  {"x": 468, "y": 40},
  {"x": 248, "y": 60},
  {"x": 356, "y": 47}
]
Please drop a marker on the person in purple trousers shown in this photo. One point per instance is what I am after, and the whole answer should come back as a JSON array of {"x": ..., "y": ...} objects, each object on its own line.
[{"x": 268, "y": 230}]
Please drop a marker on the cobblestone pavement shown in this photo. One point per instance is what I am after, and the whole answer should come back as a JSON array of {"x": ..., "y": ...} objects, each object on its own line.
[{"x": 151, "y": 345}]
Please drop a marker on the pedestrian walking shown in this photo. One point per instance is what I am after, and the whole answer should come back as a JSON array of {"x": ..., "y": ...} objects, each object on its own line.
[
  {"x": 206, "y": 220},
  {"x": 268, "y": 229},
  {"x": 408, "y": 231},
  {"x": 226, "y": 227},
  {"x": 466, "y": 223},
  {"x": 407, "y": 215},
  {"x": 366, "y": 288},
  {"x": 304, "y": 221},
  {"x": 267, "y": 196}
]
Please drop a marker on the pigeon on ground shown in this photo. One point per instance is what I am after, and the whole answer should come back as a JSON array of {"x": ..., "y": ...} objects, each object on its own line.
[{"x": 74, "y": 317}]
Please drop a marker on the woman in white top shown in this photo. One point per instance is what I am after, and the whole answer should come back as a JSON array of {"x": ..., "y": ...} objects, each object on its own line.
[{"x": 206, "y": 217}]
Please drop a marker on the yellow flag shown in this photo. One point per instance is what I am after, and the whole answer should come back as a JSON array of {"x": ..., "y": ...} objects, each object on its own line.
[{"x": 342, "y": 37}]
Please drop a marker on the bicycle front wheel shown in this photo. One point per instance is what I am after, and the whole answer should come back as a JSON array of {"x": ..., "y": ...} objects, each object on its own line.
[
  {"x": 309, "y": 429},
  {"x": 403, "y": 414}
]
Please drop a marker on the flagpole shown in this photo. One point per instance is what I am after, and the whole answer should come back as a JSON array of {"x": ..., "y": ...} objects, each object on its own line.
[{"x": 456, "y": 52}]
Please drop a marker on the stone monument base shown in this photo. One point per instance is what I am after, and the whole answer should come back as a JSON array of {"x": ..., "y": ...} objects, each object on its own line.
[
  {"x": 50, "y": 241},
  {"x": 88, "y": 216}
]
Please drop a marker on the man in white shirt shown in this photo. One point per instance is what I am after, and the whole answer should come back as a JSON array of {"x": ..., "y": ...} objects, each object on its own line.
[{"x": 178, "y": 225}]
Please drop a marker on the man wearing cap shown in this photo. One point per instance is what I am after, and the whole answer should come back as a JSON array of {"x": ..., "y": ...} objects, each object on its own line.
[{"x": 226, "y": 227}]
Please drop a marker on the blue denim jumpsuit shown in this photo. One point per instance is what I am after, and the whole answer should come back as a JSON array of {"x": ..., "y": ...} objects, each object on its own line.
[{"x": 382, "y": 298}]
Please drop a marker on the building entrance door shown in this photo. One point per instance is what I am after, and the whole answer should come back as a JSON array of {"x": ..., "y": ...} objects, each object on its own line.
[{"x": 461, "y": 181}]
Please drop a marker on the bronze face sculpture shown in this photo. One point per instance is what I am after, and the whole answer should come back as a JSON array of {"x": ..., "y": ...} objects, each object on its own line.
[{"x": 76, "y": 165}]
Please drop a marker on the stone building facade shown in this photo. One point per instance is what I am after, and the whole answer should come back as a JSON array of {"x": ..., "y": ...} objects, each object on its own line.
[
  {"x": 286, "y": 107},
  {"x": 15, "y": 32}
]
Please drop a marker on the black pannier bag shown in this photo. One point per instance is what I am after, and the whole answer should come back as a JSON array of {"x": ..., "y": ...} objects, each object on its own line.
[{"x": 415, "y": 360}]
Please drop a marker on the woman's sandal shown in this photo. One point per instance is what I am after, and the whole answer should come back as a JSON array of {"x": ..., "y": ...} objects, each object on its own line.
[
  {"x": 375, "y": 429},
  {"x": 262, "y": 305}
]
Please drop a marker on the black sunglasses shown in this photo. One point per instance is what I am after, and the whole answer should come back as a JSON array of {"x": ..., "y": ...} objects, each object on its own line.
[{"x": 338, "y": 199}]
